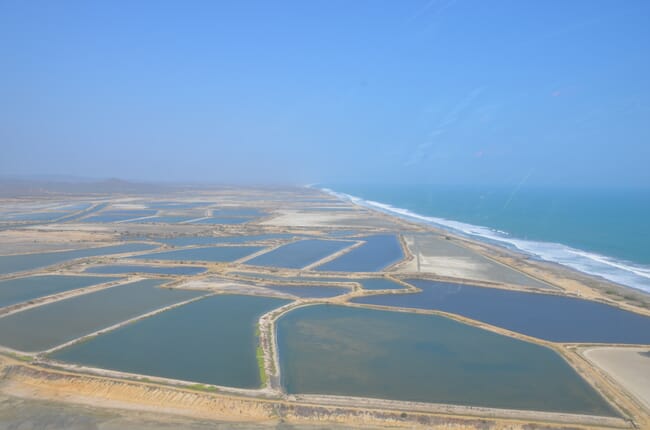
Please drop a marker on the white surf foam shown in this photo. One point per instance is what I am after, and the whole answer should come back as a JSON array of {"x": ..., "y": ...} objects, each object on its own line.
[{"x": 618, "y": 271}]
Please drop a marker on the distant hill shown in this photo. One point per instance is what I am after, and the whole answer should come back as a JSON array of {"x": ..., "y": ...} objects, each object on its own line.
[{"x": 20, "y": 187}]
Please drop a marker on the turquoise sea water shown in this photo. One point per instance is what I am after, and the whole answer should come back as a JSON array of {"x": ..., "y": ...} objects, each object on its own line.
[{"x": 601, "y": 232}]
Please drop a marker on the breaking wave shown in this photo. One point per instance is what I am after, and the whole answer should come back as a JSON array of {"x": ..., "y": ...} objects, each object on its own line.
[{"x": 618, "y": 271}]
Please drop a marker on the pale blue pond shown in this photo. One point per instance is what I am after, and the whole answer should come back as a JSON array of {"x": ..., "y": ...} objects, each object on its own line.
[
  {"x": 221, "y": 220},
  {"x": 380, "y": 284},
  {"x": 237, "y": 212},
  {"x": 165, "y": 219},
  {"x": 551, "y": 317},
  {"x": 134, "y": 268},
  {"x": 338, "y": 350},
  {"x": 366, "y": 283},
  {"x": 309, "y": 291},
  {"x": 46, "y": 326},
  {"x": 299, "y": 254},
  {"x": 212, "y": 240},
  {"x": 19, "y": 290},
  {"x": 76, "y": 207},
  {"x": 176, "y": 205},
  {"x": 379, "y": 252},
  {"x": 59, "y": 213},
  {"x": 118, "y": 215},
  {"x": 342, "y": 233},
  {"x": 36, "y": 216},
  {"x": 220, "y": 349},
  {"x": 213, "y": 253},
  {"x": 22, "y": 262},
  {"x": 85, "y": 212}
]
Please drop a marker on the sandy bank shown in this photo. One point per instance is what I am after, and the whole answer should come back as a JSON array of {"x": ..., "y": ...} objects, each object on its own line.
[
  {"x": 630, "y": 367},
  {"x": 23, "y": 241},
  {"x": 24, "y": 380},
  {"x": 348, "y": 219},
  {"x": 437, "y": 255}
]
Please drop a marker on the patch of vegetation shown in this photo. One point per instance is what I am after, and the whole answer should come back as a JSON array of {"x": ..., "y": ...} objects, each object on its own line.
[
  {"x": 20, "y": 357},
  {"x": 631, "y": 298},
  {"x": 259, "y": 353},
  {"x": 202, "y": 387}
]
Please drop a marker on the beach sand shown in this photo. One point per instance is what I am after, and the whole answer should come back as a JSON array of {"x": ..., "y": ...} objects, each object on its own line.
[
  {"x": 442, "y": 257},
  {"x": 630, "y": 367},
  {"x": 297, "y": 218},
  {"x": 22, "y": 241}
]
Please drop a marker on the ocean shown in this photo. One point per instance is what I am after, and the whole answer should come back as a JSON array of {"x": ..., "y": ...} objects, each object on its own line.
[{"x": 603, "y": 232}]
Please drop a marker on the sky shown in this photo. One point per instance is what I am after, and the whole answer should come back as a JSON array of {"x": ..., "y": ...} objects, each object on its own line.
[{"x": 276, "y": 92}]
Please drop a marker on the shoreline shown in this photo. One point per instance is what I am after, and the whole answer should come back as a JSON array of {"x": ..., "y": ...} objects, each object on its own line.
[
  {"x": 508, "y": 243},
  {"x": 46, "y": 379},
  {"x": 569, "y": 281}
]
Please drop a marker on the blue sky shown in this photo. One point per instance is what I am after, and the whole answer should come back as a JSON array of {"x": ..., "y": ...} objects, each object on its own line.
[{"x": 452, "y": 92}]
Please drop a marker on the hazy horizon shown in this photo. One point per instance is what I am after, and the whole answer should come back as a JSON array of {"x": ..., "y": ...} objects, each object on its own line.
[
  {"x": 443, "y": 92},
  {"x": 326, "y": 186}
]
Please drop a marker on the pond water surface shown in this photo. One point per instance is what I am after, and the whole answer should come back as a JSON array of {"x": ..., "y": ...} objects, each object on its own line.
[
  {"x": 135, "y": 268},
  {"x": 118, "y": 215},
  {"x": 212, "y": 240},
  {"x": 212, "y": 341},
  {"x": 309, "y": 291},
  {"x": 22, "y": 262},
  {"x": 338, "y": 350},
  {"x": 46, "y": 326},
  {"x": 299, "y": 254},
  {"x": 551, "y": 317},
  {"x": 20, "y": 290},
  {"x": 366, "y": 283},
  {"x": 378, "y": 252},
  {"x": 213, "y": 253},
  {"x": 221, "y": 220}
]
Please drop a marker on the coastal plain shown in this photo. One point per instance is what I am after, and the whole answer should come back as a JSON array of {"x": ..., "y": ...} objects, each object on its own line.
[{"x": 293, "y": 306}]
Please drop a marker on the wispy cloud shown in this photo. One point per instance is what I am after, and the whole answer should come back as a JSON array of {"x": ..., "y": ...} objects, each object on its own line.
[
  {"x": 517, "y": 187},
  {"x": 433, "y": 7},
  {"x": 431, "y": 12},
  {"x": 425, "y": 149}
]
